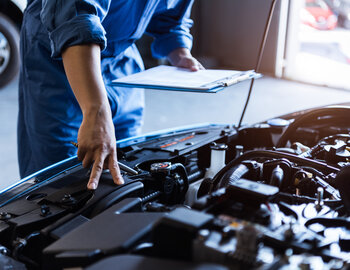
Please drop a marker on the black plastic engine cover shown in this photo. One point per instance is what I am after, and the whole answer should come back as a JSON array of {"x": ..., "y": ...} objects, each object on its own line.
[
  {"x": 133, "y": 262},
  {"x": 173, "y": 234},
  {"x": 108, "y": 233}
]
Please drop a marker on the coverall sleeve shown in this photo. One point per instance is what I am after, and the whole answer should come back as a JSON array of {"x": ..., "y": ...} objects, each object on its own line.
[
  {"x": 74, "y": 22},
  {"x": 171, "y": 28}
]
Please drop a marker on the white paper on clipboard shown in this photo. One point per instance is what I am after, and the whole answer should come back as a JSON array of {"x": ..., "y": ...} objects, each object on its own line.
[{"x": 180, "y": 79}]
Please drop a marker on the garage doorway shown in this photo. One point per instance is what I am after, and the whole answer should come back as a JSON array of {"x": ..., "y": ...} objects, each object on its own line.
[{"x": 318, "y": 42}]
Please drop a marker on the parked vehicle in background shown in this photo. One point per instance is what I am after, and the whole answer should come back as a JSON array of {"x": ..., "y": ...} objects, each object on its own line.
[
  {"x": 342, "y": 9},
  {"x": 318, "y": 15},
  {"x": 11, "y": 14}
]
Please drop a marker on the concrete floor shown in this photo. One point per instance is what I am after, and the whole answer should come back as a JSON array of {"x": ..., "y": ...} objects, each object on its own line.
[{"x": 271, "y": 97}]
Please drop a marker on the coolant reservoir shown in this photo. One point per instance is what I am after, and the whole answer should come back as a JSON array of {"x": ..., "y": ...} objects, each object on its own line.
[{"x": 217, "y": 159}]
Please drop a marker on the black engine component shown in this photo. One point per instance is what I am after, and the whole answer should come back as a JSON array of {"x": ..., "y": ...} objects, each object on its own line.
[
  {"x": 342, "y": 182},
  {"x": 327, "y": 115},
  {"x": 173, "y": 180},
  {"x": 265, "y": 208},
  {"x": 174, "y": 233},
  {"x": 133, "y": 262}
]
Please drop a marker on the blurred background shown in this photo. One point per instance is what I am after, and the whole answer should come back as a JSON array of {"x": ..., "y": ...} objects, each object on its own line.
[
  {"x": 309, "y": 40},
  {"x": 306, "y": 64}
]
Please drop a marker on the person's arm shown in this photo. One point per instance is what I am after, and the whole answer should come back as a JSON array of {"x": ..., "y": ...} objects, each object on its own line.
[
  {"x": 96, "y": 137},
  {"x": 70, "y": 24},
  {"x": 170, "y": 28}
]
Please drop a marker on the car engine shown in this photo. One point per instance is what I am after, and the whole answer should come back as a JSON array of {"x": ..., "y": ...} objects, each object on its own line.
[{"x": 274, "y": 195}]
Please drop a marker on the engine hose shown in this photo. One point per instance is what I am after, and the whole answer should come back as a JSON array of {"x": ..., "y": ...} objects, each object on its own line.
[
  {"x": 272, "y": 154},
  {"x": 233, "y": 175},
  {"x": 313, "y": 171},
  {"x": 329, "y": 222},
  {"x": 297, "y": 199},
  {"x": 331, "y": 138},
  {"x": 195, "y": 176},
  {"x": 18, "y": 248},
  {"x": 334, "y": 111},
  {"x": 326, "y": 183}
]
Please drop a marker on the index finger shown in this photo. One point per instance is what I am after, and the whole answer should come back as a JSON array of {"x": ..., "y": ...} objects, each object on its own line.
[
  {"x": 114, "y": 169},
  {"x": 96, "y": 172}
]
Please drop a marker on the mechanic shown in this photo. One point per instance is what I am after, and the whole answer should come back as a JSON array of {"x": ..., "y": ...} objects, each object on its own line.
[{"x": 70, "y": 51}]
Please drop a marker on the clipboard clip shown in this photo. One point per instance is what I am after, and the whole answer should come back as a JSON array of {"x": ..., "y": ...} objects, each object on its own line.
[
  {"x": 234, "y": 79},
  {"x": 237, "y": 78}
]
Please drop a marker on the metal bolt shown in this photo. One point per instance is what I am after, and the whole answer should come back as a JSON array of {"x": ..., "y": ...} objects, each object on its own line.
[
  {"x": 203, "y": 235},
  {"x": 68, "y": 200},
  {"x": 319, "y": 203},
  {"x": 4, "y": 250},
  {"x": 45, "y": 210},
  {"x": 288, "y": 254},
  {"x": 289, "y": 233},
  {"x": 4, "y": 216}
]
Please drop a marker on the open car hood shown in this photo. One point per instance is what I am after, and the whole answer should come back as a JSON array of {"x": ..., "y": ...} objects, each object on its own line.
[{"x": 266, "y": 196}]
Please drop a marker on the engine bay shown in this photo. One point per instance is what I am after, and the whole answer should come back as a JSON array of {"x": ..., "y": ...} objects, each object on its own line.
[{"x": 274, "y": 195}]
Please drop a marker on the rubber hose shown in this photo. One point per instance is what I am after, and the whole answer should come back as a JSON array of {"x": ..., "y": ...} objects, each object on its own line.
[
  {"x": 312, "y": 115},
  {"x": 272, "y": 154},
  {"x": 233, "y": 175}
]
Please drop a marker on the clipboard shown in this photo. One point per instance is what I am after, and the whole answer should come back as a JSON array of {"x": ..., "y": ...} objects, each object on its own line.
[{"x": 179, "y": 79}]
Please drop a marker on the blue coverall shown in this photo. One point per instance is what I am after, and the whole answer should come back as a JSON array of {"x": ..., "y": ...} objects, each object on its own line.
[{"x": 49, "y": 115}]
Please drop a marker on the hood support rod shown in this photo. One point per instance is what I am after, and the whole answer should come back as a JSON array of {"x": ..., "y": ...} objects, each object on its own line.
[{"x": 260, "y": 56}]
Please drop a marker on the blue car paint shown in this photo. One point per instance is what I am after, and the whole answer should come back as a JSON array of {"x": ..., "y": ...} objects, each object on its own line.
[{"x": 72, "y": 162}]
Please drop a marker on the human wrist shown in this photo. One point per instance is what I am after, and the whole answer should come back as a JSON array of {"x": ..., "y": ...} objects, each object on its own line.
[
  {"x": 96, "y": 109},
  {"x": 176, "y": 55}
]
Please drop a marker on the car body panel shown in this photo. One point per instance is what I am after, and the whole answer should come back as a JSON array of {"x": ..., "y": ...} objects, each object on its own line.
[{"x": 50, "y": 172}]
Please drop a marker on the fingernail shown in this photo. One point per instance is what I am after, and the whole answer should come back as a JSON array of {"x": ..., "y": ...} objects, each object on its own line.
[
  {"x": 120, "y": 180},
  {"x": 92, "y": 186}
]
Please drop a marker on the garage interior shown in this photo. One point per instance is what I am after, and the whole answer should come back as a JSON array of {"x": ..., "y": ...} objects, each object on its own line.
[
  {"x": 199, "y": 189},
  {"x": 226, "y": 35}
]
